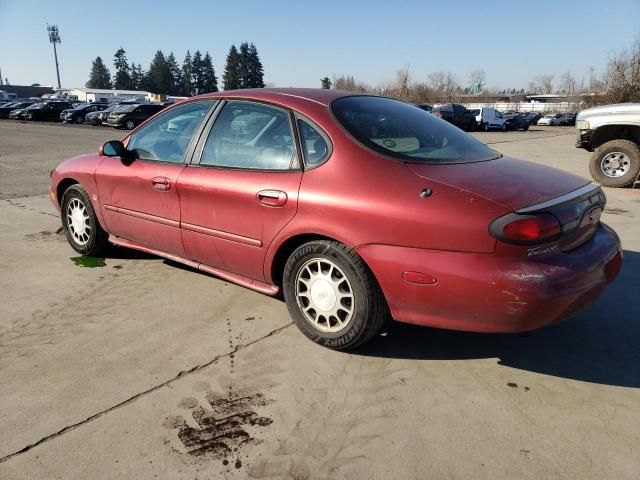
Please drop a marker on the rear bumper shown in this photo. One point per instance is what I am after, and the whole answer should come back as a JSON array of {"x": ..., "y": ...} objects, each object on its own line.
[{"x": 491, "y": 293}]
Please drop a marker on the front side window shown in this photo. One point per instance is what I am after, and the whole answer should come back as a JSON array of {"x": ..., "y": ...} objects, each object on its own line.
[
  {"x": 167, "y": 137},
  {"x": 315, "y": 148},
  {"x": 398, "y": 130},
  {"x": 250, "y": 135}
]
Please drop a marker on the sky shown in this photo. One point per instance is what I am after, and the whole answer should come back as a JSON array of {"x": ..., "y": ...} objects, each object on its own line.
[{"x": 300, "y": 41}]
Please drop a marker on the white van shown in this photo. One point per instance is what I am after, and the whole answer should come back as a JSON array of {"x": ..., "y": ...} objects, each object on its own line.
[{"x": 488, "y": 118}]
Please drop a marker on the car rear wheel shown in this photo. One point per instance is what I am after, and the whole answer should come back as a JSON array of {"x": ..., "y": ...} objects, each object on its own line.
[
  {"x": 130, "y": 124},
  {"x": 80, "y": 119},
  {"x": 81, "y": 227},
  {"x": 616, "y": 163},
  {"x": 486, "y": 127},
  {"x": 504, "y": 127},
  {"x": 332, "y": 296}
]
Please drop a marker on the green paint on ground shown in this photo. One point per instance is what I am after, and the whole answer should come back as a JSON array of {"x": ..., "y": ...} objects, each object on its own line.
[{"x": 89, "y": 262}]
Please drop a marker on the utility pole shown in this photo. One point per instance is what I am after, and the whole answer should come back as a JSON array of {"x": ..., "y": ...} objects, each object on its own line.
[{"x": 54, "y": 37}]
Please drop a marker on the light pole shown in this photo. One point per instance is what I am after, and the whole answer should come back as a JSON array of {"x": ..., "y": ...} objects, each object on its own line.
[{"x": 54, "y": 37}]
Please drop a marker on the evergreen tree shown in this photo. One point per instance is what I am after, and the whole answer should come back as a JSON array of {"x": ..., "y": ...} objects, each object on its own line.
[
  {"x": 122, "y": 80},
  {"x": 99, "y": 77},
  {"x": 158, "y": 77},
  {"x": 231, "y": 76},
  {"x": 137, "y": 77},
  {"x": 209, "y": 79},
  {"x": 256, "y": 73},
  {"x": 197, "y": 77},
  {"x": 245, "y": 66},
  {"x": 175, "y": 74},
  {"x": 326, "y": 83},
  {"x": 187, "y": 86}
]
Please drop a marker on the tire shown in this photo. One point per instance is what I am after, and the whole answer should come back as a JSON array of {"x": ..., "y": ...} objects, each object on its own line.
[
  {"x": 625, "y": 153},
  {"x": 130, "y": 125},
  {"x": 471, "y": 127},
  {"x": 84, "y": 233},
  {"x": 485, "y": 126},
  {"x": 363, "y": 309},
  {"x": 525, "y": 128},
  {"x": 79, "y": 119},
  {"x": 504, "y": 127}
]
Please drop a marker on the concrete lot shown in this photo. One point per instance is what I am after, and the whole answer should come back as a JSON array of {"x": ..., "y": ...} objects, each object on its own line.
[{"x": 145, "y": 369}]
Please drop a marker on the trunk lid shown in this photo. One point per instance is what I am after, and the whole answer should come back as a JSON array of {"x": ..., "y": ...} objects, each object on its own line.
[
  {"x": 528, "y": 189},
  {"x": 512, "y": 183}
]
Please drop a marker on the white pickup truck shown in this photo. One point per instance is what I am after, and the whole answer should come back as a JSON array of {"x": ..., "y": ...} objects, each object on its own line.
[{"x": 612, "y": 133}]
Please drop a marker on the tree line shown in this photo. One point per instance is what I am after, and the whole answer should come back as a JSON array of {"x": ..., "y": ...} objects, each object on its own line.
[
  {"x": 195, "y": 76},
  {"x": 619, "y": 82}
]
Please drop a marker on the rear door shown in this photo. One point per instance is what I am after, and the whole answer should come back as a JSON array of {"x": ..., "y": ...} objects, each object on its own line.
[
  {"x": 242, "y": 189},
  {"x": 139, "y": 197}
]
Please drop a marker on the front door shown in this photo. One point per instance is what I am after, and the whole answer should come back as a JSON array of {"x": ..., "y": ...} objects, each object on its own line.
[
  {"x": 139, "y": 197},
  {"x": 244, "y": 189}
]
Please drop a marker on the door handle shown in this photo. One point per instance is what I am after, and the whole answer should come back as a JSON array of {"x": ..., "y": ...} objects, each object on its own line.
[
  {"x": 161, "y": 183},
  {"x": 272, "y": 198}
]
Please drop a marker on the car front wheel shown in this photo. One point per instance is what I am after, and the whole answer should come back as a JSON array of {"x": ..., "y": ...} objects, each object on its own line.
[
  {"x": 130, "y": 125},
  {"x": 616, "y": 163},
  {"x": 81, "y": 227},
  {"x": 332, "y": 296}
]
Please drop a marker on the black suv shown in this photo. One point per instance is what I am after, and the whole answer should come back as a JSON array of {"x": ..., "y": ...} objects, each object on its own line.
[
  {"x": 46, "y": 111},
  {"x": 456, "y": 114},
  {"x": 130, "y": 116},
  {"x": 79, "y": 113}
]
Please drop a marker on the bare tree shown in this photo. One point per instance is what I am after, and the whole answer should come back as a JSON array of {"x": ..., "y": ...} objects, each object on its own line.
[
  {"x": 568, "y": 83},
  {"x": 545, "y": 82},
  {"x": 444, "y": 85},
  {"x": 347, "y": 82},
  {"x": 477, "y": 79}
]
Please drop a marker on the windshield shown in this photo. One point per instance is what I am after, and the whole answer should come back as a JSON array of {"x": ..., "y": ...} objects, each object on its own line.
[
  {"x": 398, "y": 130},
  {"x": 36, "y": 106}
]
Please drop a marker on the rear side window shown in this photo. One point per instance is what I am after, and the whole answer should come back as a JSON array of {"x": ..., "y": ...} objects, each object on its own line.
[
  {"x": 315, "y": 148},
  {"x": 250, "y": 136},
  {"x": 402, "y": 131}
]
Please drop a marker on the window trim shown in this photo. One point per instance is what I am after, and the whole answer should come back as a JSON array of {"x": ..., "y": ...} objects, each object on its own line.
[
  {"x": 323, "y": 134},
  {"x": 294, "y": 165},
  {"x": 188, "y": 154}
]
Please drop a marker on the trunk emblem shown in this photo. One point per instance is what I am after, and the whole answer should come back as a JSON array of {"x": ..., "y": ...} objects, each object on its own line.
[{"x": 534, "y": 252}]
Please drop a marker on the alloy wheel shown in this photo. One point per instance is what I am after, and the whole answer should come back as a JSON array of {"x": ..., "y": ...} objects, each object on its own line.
[
  {"x": 78, "y": 222},
  {"x": 324, "y": 295}
]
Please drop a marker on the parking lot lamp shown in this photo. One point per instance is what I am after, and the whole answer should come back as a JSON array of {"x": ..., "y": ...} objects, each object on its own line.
[{"x": 54, "y": 37}]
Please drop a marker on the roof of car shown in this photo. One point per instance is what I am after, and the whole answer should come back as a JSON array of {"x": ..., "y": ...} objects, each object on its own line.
[{"x": 317, "y": 95}]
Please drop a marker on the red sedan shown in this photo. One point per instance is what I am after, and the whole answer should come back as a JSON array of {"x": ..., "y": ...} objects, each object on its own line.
[{"x": 354, "y": 207}]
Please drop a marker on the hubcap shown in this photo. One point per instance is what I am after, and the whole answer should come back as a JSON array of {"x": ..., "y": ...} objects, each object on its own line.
[
  {"x": 78, "y": 221},
  {"x": 324, "y": 295},
  {"x": 615, "y": 164}
]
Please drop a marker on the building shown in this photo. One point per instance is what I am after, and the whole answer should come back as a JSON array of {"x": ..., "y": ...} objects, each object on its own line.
[
  {"x": 104, "y": 95},
  {"x": 26, "y": 91}
]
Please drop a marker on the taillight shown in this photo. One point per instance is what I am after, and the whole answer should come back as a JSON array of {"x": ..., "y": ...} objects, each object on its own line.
[{"x": 525, "y": 229}]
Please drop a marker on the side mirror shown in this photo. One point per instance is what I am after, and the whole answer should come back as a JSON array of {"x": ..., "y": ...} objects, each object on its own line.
[{"x": 112, "y": 148}]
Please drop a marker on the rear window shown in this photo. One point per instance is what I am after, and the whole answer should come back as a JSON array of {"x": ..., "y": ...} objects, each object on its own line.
[{"x": 402, "y": 131}]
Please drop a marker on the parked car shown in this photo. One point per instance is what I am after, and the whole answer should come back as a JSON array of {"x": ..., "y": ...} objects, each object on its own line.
[
  {"x": 516, "y": 121},
  {"x": 18, "y": 113},
  {"x": 9, "y": 107},
  {"x": 46, "y": 111},
  {"x": 456, "y": 114},
  {"x": 130, "y": 116},
  {"x": 489, "y": 118},
  {"x": 553, "y": 120},
  {"x": 100, "y": 117},
  {"x": 265, "y": 188},
  {"x": 568, "y": 119},
  {"x": 612, "y": 133},
  {"x": 532, "y": 117},
  {"x": 78, "y": 114}
]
